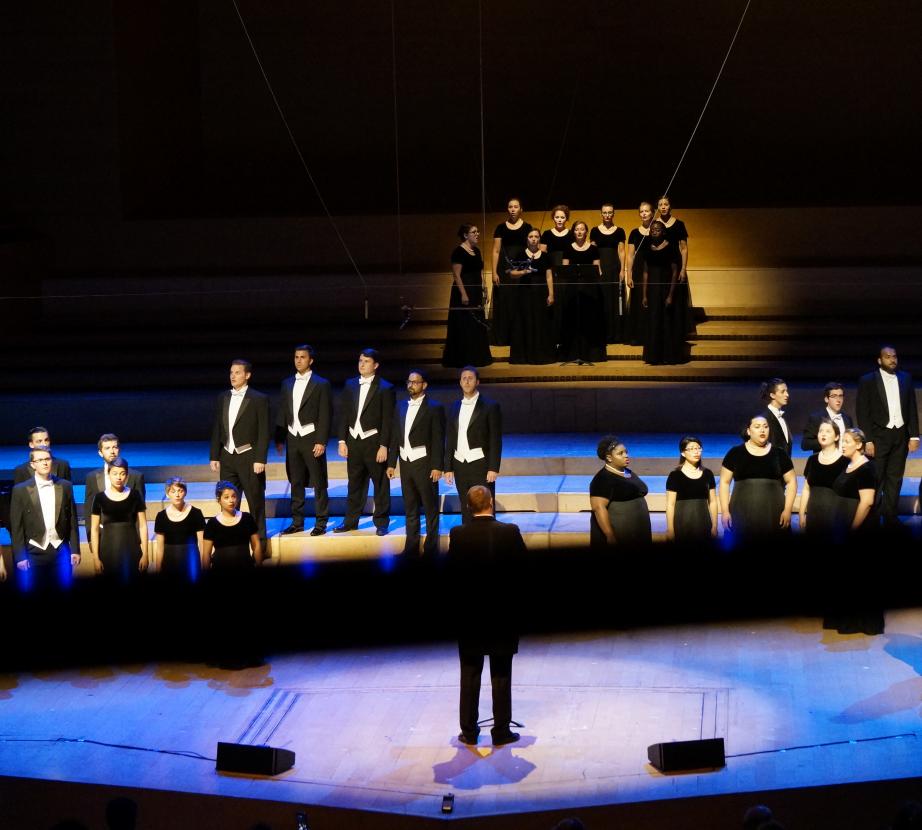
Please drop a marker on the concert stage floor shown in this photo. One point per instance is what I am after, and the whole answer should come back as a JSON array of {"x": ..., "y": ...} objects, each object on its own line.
[{"x": 376, "y": 729}]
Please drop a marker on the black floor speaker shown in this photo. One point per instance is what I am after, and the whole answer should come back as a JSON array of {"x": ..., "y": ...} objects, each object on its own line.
[
  {"x": 254, "y": 760},
  {"x": 685, "y": 755}
]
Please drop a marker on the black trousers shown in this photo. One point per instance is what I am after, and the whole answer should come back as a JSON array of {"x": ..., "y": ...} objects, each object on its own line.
[
  {"x": 48, "y": 568},
  {"x": 361, "y": 468},
  {"x": 468, "y": 474},
  {"x": 891, "y": 447},
  {"x": 306, "y": 471},
  {"x": 420, "y": 490},
  {"x": 237, "y": 468},
  {"x": 501, "y": 681}
]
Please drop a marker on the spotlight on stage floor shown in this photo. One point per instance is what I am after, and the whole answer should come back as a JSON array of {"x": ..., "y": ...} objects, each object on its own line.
[
  {"x": 684, "y": 756},
  {"x": 253, "y": 760}
]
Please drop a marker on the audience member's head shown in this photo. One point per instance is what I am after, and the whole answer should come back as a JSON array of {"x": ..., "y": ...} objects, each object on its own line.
[
  {"x": 479, "y": 500},
  {"x": 756, "y": 816}
]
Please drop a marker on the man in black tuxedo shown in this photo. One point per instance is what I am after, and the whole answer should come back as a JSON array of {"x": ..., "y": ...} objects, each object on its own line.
[
  {"x": 485, "y": 554},
  {"x": 366, "y": 424},
  {"x": 40, "y": 439},
  {"x": 240, "y": 441},
  {"x": 834, "y": 395},
  {"x": 888, "y": 416},
  {"x": 109, "y": 449},
  {"x": 474, "y": 445},
  {"x": 419, "y": 441},
  {"x": 775, "y": 394},
  {"x": 43, "y": 524},
  {"x": 303, "y": 427}
]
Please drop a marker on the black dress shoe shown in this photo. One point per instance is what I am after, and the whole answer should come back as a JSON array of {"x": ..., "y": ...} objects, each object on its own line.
[
  {"x": 381, "y": 531},
  {"x": 470, "y": 740},
  {"x": 318, "y": 531},
  {"x": 505, "y": 738},
  {"x": 344, "y": 528},
  {"x": 292, "y": 529}
]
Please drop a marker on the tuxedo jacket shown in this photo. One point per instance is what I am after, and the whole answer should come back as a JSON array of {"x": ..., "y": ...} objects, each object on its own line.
[
  {"x": 96, "y": 483},
  {"x": 251, "y": 426},
  {"x": 809, "y": 442},
  {"x": 59, "y": 469},
  {"x": 378, "y": 412},
  {"x": 28, "y": 522},
  {"x": 485, "y": 431},
  {"x": 428, "y": 430},
  {"x": 871, "y": 407},
  {"x": 486, "y": 556},
  {"x": 776, "y": 432},
  {"x": 316, "y": 408}
]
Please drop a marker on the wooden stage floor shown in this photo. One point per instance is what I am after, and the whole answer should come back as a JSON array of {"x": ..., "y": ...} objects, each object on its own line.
[{"x": 376, "y": 730}]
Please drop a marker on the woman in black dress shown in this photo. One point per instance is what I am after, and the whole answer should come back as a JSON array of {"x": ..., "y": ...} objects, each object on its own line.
[
  {"x": 582, "y": 334},
  {"x": 118, "y": 527},
  {"x": 856, "y": 489},
  {"x": 467, "y": 338},
  {"x": 691, "y": 497},
  {"x": 659, "y": 282},
  {"x": 764, "y": 486},
  {"x": 178, "y": 533},
  {"x": 637, "y": 243},
  {"x": 818, "y": 501},
  {"x": 678, "y": 236},
  {"x": 231, "y": 540},
  {"x": 556, "y": 241},
  {"x": 617, "y": 497},
  {"x": 609, "y": 241},
  {"x": 530, "y": 339},
  {"x": 509, "y": 241}
]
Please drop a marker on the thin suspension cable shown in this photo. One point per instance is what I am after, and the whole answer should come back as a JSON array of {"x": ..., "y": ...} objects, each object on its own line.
[
  {"x": 396, "y": 138},
  {"x": 563, "y": 144},
  {"x": 294, "y": 143},
  {"x": 483, "y": 154},
  {"x": 710, "y": 95}
]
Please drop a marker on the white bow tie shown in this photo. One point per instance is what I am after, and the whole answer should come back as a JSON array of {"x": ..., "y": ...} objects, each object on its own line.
[
  {"x": 365, "y": 381},
  {"x": 236, "y": 394}
]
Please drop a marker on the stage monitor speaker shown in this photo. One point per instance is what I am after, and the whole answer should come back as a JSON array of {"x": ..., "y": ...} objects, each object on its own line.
[
  {"x": 254, "y": 760},
  {"x": 679, "y": 756}
]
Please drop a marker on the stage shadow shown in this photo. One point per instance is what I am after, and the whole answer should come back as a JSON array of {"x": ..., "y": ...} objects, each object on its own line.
[
  {"x": 235, "y": 682},
  {"x": 474, "y": 767},
  {"x": 905, "y": 696},
  {"x": 8, "y": 682}
]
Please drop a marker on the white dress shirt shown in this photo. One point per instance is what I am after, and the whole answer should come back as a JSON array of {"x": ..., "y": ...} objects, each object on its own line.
[
  {"x": 839, "y": 421},
  {"x": 297, "y": 396},
  {"x": 356, "y": 430},
  {"x": 46, "y": 499},
  {"x": 779, "y": 414},
  {"x": 464, "y": 451},
  {"x": 233, "y": 411},
  {"x": 892, "y": 389},
  {"x": 407, "y": 452}
]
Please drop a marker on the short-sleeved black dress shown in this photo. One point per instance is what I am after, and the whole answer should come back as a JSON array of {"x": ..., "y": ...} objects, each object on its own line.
[
  {"x": 119, "y": 545},
  {"x": 530, "y": 328},
  {"x": 582, "y": 333},
  {"x": 634, "y": 320},
  {"x": 821, "y": 509},
  {"x": 692, "y": 518},
  {"x": 612, "y": 287},
  {"x": 757, "y": 500},
  {"x": 660, "y": 342},
  {"x": 181, "y": 554},
  {"x": 627, "y": 508},
  {"x": 846, "y": 487},
  {"x": 676, "y": 233},
  {"x": 231, "y": 543},
  {"x": 557, "y": 248},
  {"x": 506, "y": 295},
  {"x": 467, "y": 338}
]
